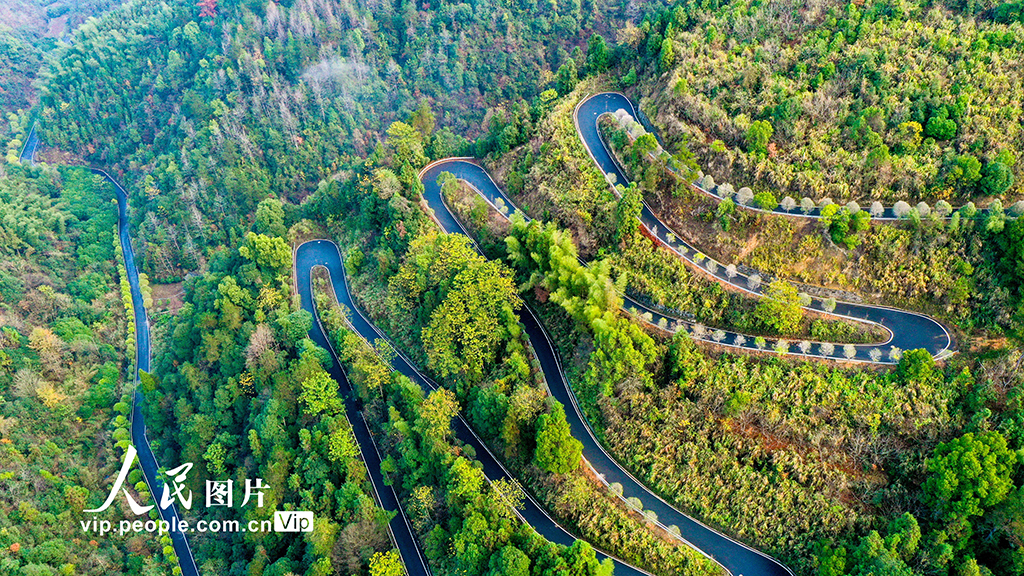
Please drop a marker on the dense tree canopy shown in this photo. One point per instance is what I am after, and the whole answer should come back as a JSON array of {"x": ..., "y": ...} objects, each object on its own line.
[
  {"x": 970, "y": 474},
  {"x": 780, "y": 307}
]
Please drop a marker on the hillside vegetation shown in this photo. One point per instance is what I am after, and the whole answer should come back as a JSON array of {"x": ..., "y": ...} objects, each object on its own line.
[
  {"x": 850, "y": 101},
  {"x": 65, "y": 350},
  {"x": 204, "y": 116}
]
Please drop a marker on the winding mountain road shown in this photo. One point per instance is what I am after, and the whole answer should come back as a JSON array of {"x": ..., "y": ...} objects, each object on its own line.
[
  {"x": 143, "y": 355},
  {"x": 909, "y": 330},
  {"x": 147, "y": 459},
  {"x": 325, "y": 253},
  {"x": 738, "y": 559}
]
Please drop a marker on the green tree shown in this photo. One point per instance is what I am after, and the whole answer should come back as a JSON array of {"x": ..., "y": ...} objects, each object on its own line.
[
  {"x": 465, "y": 330},
  {"x": 667, "y": 56},
  {"x": 758, "y": 136},
  {"x": 270, "y": 218},
  {"x": 940, "y": 126},
  {"x": 270, "y": 253},
  {"x": 842, "y": 227},
  {"x": 406, "y": 145},
  {"x": 511, "y": 561},
  {"x": 557, "y": 451},
  {"x": 766, "y": 200},
  {"x": 423, "y": 120},
  {"x": 916, "y": 367},
  {"x": 598, "y": 55},
  {"x": 320, "y": 394},
  {"x": 644, "y": 145},
  {"x": 627, "y": 213},
  {"x": 567, "y": 77},
  {"x": 996, "y": 178},
  {"x": 874, "y": 558},
  {"x": 629, "y": 79},
  {"x": 904, "y": 536},
  {"x": 779, "y": 309},
  {"x": 970, "y": 474},
  {"x": 435, "y": 419}
]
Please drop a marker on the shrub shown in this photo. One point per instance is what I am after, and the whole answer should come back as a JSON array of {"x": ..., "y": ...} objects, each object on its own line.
[
  {"x": 877, "y": 209},
  {"x": 901, "y": 209},
  {"x": 788, "y": 204},
  {"x": 806, "y": 205}
]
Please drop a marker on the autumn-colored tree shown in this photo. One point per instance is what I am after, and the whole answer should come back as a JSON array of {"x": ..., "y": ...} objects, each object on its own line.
[
  {"x": 208, "y": 9},
  {"x": 386, "y": 564}
]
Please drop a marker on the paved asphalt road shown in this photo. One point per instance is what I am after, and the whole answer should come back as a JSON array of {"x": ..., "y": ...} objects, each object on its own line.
[
  {"x": 28, "y": 152},
  {"x": 324, "y": 253}
]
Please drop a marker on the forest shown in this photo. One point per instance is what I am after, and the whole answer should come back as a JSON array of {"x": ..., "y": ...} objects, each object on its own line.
[
  {"x": 222, "y": 115},
  {"x": 241, "y": 390},
  {"x": 958, "y": 267},
  {"x": 243, "y": 128},
  {"x": 880, "y": 101},
  {"x": 30, "y": 30},
  {"x": 65, "y": 350}
]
